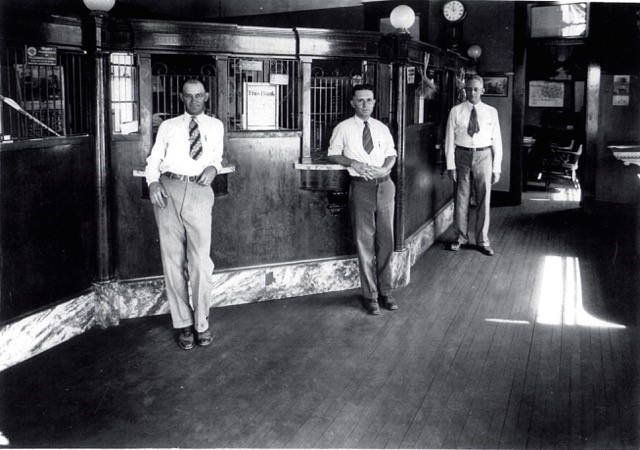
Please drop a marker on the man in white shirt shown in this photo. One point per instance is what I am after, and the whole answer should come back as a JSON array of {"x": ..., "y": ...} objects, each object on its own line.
[
  {"x": 473, "y": 148},
  {"x": 184, "y": 161},
  {"x": 365, "y": 146}
]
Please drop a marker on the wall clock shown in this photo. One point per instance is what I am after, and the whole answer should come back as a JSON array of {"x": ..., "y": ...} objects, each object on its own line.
[{"x": 454, "y": 11}]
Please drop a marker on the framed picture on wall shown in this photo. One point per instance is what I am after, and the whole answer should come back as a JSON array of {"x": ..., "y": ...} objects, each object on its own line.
[
  {"x": 496, "y": 85},
  {"x": 546, "y": 94}
]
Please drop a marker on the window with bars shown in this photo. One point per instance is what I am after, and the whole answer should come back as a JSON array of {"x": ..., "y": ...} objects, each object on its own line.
[
  {"x": 168, "y": 74},
  {"x": 331, "y": 84},
  {"x": 264, "y": 94},
  {"x": 124, "y": 93},
  {"x": 42, "y": 100}
]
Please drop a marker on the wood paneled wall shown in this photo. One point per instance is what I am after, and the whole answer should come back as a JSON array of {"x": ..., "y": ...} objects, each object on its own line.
[{"x": 47, "y": 224}]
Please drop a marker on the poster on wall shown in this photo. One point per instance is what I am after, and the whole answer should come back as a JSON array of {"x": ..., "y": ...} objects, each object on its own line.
[
  {"x": 546, "y": 94},
  {"x": 621, "y": 90},
  {"x": 260, "y": 106},
  {"x": 41, "y": 56}
]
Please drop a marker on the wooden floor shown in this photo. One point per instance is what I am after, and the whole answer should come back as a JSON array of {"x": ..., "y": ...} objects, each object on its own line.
[{"x": 536, "y": 347}]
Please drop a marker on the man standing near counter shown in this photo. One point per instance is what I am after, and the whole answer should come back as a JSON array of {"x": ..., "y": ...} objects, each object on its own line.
[
  {"x": 473, "y": 149},
  {"x": 184, "y": 161},
  {"x": 365, "y": 146}
]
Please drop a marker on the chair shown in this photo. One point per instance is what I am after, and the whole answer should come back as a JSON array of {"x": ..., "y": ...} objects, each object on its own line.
[{"x": 561, "y": 163}]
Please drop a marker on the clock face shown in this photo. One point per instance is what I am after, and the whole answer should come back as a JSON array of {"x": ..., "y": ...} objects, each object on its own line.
[{"x": 454, "y": 11}]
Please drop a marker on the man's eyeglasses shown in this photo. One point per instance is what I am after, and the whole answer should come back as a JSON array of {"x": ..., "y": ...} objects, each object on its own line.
[{"x": 192, "y": 96}]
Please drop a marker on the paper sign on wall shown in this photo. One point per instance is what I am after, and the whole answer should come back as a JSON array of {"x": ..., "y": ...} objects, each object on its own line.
[
  {"x": 260, "y": 106},
  {"x": 621, "y": 90},
  {"x": 41, "y": 56},
  {"x": 411, "y": 75}
]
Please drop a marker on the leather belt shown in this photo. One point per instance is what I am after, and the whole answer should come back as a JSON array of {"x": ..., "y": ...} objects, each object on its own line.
[
  {"x": 373, "y": 180},
  {"x": 473, "y": 149},
  {"x": 185, "y": 178}
]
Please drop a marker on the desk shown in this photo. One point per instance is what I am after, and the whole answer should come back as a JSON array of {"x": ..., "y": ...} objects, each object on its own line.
[{"x": 627, "y": 153}]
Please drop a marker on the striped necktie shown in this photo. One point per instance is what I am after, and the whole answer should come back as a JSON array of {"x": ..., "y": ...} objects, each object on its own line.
[
  {"x": 367, "y": 140},
  {"x": 195, "y": 143},
  {"x": 474, "y": 126}
]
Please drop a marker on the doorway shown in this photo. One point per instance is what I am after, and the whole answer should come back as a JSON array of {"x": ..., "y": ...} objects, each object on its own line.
[{"x": 556, "y": 73}]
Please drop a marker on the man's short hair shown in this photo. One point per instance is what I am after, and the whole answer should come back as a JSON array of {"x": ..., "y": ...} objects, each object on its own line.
[
  {"x": 471, "y": 78},
  {"x": 194, "y": 81},
  {"x": 362, "y": 87}
]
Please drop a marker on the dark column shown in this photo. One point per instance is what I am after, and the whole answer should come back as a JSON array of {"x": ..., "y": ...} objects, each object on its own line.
[
  {"x": 96, "y": 40},
  {"x": 399, "y": 123}
]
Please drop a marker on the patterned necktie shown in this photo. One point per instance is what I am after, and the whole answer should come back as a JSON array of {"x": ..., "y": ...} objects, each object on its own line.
[
  {"x": 367, "y": 140},
  {"x": 473, "y": 127},
  {"x": 195, "y": 147}
]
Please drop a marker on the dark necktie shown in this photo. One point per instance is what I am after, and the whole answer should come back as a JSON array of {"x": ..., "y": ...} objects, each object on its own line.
[
  {"x": 367, "y": 140},
  {"x": 473, "y": 127},
  {"x": 195, "y": 146}
]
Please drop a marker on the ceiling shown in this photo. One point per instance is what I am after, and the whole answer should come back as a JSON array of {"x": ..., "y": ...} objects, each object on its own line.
[
  {"x": 235, "y": 8},
  {"x": 188, "y": 9}
]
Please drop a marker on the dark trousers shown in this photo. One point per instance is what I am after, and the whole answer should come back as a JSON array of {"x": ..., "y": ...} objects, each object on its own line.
[{"x": 371, "y": 206}]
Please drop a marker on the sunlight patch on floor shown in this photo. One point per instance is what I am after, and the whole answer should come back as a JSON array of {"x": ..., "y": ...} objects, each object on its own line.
[
  {"x": 562, "y": 195},
  {"x": 560, "y": 300},
  {"x": 515, "y": 322}
]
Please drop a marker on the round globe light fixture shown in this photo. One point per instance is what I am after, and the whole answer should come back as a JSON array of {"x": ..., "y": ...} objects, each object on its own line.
[
  {"x": 99, "y": 5},
  {"x": 402, "y": 17},
  {"x": 474, "y": 51}
]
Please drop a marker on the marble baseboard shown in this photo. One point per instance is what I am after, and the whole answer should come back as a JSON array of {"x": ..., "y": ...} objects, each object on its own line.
[
  {"x": 249, "y": 285},
  {"x": 426, "y": 235},
  {"x": 118, "y": 300},
  {"x": 401, "y": 268},
  {"x": 22, "y": 339}
]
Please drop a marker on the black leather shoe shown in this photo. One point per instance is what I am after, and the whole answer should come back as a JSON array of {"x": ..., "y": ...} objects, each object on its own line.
[
  {"x": 388, "y": 302},
  {"x": 371, "y": 305},
  {"x": 455, "y": 246},
  {"x": 185, "y": 339},
  {"x": 204, "y": 338},
  {"x": 486, "y": 250}
]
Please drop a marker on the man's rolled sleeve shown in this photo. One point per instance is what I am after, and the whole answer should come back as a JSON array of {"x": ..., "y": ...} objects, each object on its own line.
[
  {"x": 389, "y": 147},
  {"x": 152, "y": 171},
  {"x": 496, "y": 141},
  {"x": 216, "y": 159},
  {"x": 449, "y": 142},
  {"x": 336, "y": 143}
]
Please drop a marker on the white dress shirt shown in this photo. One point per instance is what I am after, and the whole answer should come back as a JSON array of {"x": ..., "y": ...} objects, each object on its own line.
[
  {"x": 346, "y": 140},
  {"x": 170, "y": 153},
  {"x": 489, "y": 134}
]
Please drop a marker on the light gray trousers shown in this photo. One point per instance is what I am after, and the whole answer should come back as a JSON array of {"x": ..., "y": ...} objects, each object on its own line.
[
  {"x": 184, "y": 226},
  {"x": 371, "y": 207},
  {"x": 481, "y": 165}
]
